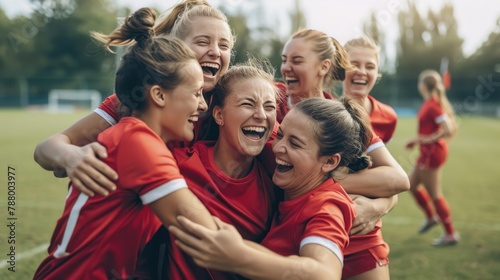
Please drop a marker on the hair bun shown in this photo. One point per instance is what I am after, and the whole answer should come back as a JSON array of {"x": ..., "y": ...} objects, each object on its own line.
[
  {"x": 360, "y": 163},
  {"x": 139, "y": 25}
]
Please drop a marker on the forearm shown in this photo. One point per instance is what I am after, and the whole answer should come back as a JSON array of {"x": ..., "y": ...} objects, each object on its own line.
[
  {"x": 385, "y": 204},
  {"x": 262, "y": 264},
  {"x": 381, "y": 181},
  {"x": 50, "y": 153}
]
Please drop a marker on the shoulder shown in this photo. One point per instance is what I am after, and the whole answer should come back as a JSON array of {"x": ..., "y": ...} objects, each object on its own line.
[{"x": 382, "y": 108}]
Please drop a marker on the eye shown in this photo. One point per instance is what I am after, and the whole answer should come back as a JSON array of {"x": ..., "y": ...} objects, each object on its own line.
[
  {"x": 279, "y": 135},
  {"x": 224, "y": 47},
  {"x": 295, "y": 145},
  {"x": 202, "y": 42},
  {"x": 270, "y": 108}
]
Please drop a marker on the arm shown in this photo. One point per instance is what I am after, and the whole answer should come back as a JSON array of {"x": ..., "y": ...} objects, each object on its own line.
[
  {"x": 226, "y": 250},
  {"x": 369, "y": 212},
  {"x": 182, "y": 202},
  {"x": 69, "y": 154},
  {"x": 444, "y": 131},
  {"x": 384, "y": 179}
]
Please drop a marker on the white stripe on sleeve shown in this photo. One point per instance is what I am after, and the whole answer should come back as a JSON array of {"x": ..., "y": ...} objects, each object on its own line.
[
  {"x": 441, "y": 119},
  {"x": 375, "y": 146},
  {"x": 107, "y": 117},
  {"x": 163, "y": 190},
  {"x": 332, "y": 246}
]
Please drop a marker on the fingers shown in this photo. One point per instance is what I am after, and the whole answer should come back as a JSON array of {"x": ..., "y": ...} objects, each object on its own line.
[
  {"x": 193, "y": 228},
  {"x": 90, "y": 175},
  {"x": 99, "y": 150},
  {"x": 89, "y": 180},
  {"x": 186, "y": 237}
]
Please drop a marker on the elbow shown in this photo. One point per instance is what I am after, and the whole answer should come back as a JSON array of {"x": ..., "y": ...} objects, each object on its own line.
[{"x": 399, "y": 182}]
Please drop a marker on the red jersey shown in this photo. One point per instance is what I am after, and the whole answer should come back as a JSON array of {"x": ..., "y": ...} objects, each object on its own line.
[
  {"x": 383, "y": 119},
  {"x": 247, "y": 203},
  {"x": 430, "y": 116},
  {"x": 322, "y": 216},
  {"x": 101, "y": 237}
]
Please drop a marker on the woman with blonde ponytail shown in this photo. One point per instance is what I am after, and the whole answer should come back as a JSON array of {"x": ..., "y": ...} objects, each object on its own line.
[
  {"x": 435, "y": 123},
  {"x": 311, "y": 62}
]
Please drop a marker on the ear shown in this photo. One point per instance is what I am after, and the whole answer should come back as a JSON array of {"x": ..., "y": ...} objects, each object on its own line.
[
  {"x": 158, "y": 96},
  {"x": 217, "y": 114},
  {"x": 325, "y": 67},
  {"x": 379, "y": 77},
  {"x": 331, "y": 163}
]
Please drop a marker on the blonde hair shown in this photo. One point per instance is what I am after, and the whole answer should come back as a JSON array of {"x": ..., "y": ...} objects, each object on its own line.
[
  {"x": 177, "y": 20},
  {"x": 253, "y": 68},
  {"x": 434, "y": 83},
  {"x": 327, "y": 48},
  {"x": 364, "y": 42}
]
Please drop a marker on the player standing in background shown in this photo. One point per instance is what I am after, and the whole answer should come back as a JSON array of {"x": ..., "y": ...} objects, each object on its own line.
[{"x": 436, "y": 122}]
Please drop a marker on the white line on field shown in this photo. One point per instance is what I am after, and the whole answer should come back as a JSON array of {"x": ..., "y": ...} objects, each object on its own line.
[{"x": 38, "y": 249}]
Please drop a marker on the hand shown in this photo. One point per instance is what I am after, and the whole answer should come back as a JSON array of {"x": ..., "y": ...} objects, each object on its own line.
[
  {"x": 221, "y": 249},
  {"x": 86, "y": 171},
  {"x": 410, "y": 144},
  {"x": 367, "y": 216}
]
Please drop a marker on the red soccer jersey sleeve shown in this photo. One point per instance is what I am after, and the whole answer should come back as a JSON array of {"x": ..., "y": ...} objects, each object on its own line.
[
  {"x": 383, "y": 119},
  {"x": 100, "y": 237},
  {"x": 110, "y": 109},
  {"x": 322, "y": 216}
]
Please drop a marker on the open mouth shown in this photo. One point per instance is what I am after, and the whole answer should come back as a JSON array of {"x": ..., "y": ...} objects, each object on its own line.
[
  {"x": 290, "y": 80},
  {"x": 210, "y": 69},
  {"x": 193, "y": 119},
  {"x": 254, "y": 132},
  {"x": 283, "y": 166},
  {"x": 359, "y": 82}
]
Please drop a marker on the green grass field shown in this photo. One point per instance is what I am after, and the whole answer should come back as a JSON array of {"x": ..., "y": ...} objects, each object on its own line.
[{"x": 470, "y": 178}]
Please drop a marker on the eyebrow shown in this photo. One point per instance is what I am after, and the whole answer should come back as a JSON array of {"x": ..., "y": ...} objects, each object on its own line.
[{"x": 292, "y": 137}]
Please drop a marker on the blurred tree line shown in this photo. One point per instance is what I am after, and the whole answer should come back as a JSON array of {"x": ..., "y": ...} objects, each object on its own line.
[{"x": 51, "y": 48}]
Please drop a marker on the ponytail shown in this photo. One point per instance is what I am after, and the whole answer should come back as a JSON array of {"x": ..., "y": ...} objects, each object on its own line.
[{"x": 342, "y": 63}]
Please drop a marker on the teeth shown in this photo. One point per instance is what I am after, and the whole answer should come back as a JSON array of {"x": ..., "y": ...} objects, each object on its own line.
[
  {"x": 280, "y": 162},
  {"x": 290, "y": 79},
  {"x": 193, "y": 119},
  {"x": 207, "y": 64},
  {"x": 359, "y": 81},
  {"x": 258, "y": 129}
]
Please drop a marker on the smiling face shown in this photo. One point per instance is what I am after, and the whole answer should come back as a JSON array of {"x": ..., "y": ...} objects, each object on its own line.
[
  {"x": 183, "y": 105},
  {"x": 359, "y": 82},
  {"x": 300, "y": 168},
  {"x": 247, "y": 117},
  {"x": 211, "y": 41},
  {"x": 301, "y": 68}
]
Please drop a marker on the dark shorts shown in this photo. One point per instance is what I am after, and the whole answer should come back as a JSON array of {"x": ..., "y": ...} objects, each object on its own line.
[{"x": 366, "y": 260}]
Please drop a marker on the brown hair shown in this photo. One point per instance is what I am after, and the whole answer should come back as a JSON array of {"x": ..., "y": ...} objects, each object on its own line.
[
  {"x": 149, "y": 60},
  {"x": 252, "y": 68},
  {"x": 434, "y": 83},
  {"x": 327, "y": 48},
  {"x": 341, "y": 127}
]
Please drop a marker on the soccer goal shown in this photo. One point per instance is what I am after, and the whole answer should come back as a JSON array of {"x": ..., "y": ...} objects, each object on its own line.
[{"x": 63, "y": 100}]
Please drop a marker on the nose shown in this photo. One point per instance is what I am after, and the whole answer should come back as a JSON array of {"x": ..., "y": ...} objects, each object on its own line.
[
  {"x": 278, "y": 147},
  {"x": 202, "y": 104},
  {"x": 260, "y": 113},
  {"x": 214, "y": 51},
  {"x": 285, "y": 66}
]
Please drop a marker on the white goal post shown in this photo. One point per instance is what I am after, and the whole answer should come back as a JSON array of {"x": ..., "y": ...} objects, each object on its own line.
[{"x": 72, "y": 95}]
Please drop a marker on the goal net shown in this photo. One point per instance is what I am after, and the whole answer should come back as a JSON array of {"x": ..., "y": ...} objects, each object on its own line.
[{"x": 63, "y": 100}]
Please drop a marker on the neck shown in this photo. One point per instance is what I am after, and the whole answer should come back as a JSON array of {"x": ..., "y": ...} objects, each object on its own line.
[
  {"x": 231, "y": 162},
  {"x": 310, "y": 94},
  {"x": 305, "y": 188}
]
